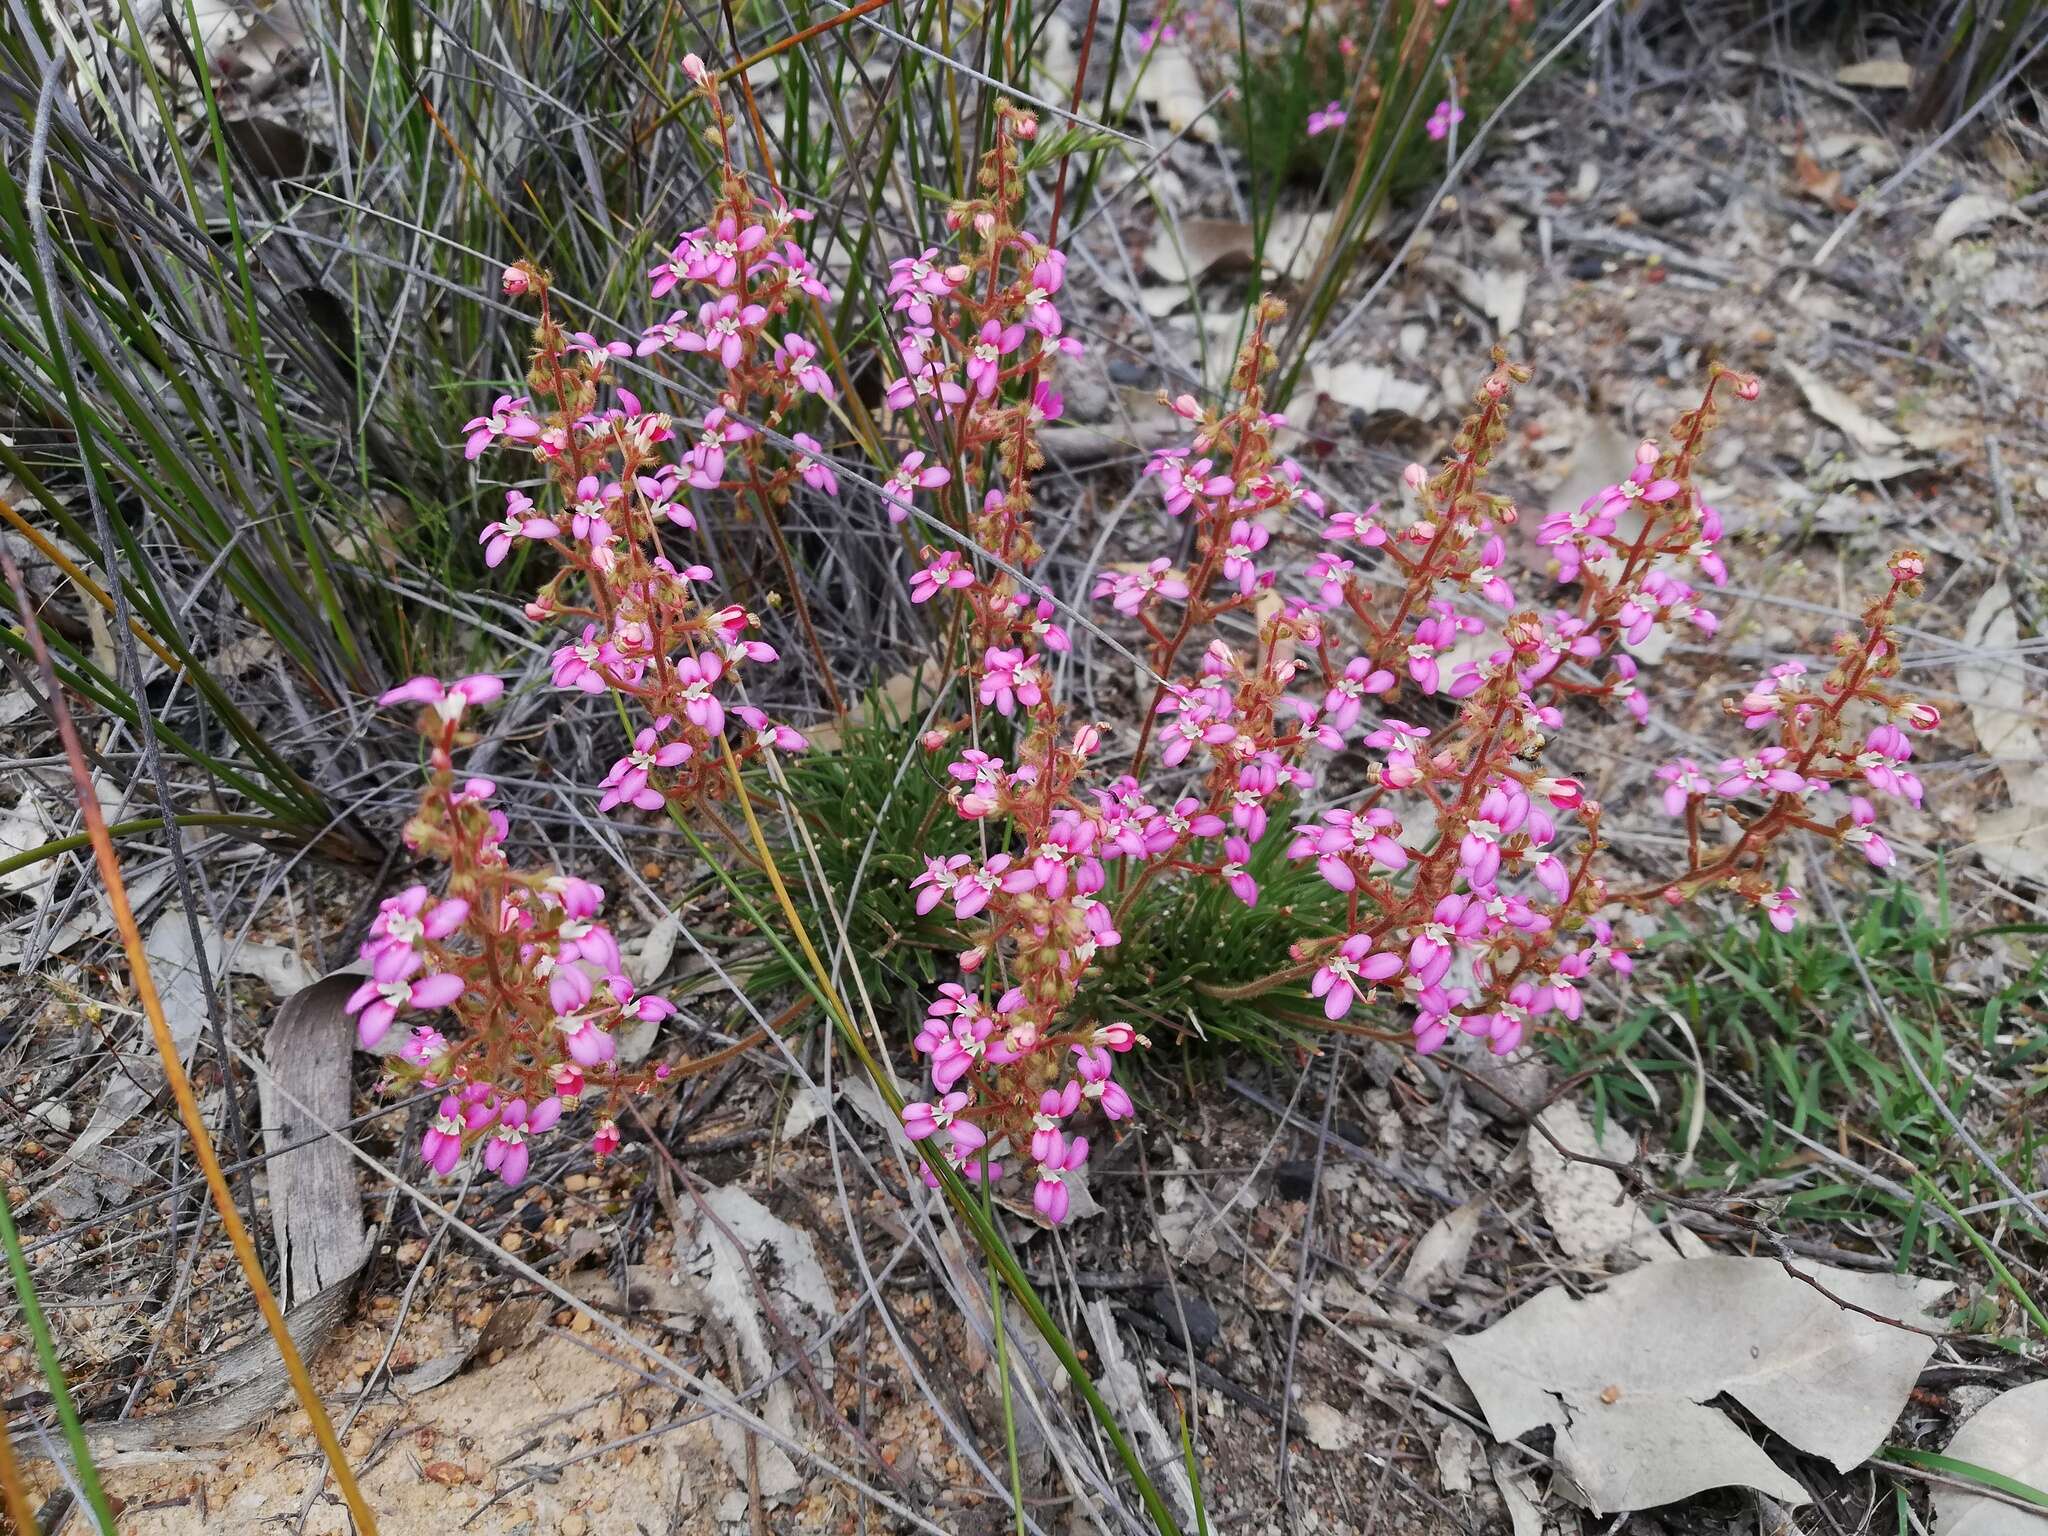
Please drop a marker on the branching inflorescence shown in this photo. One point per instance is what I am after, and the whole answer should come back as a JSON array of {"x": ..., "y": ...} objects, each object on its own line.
[{"x": 1470, "y": 874}]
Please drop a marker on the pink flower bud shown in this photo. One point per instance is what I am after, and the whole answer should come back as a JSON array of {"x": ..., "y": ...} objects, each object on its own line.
[
  {"x": 515, "y": 281},
  {"x": 1646, "y": 452},
  {"x": 1414, "y": 477}
]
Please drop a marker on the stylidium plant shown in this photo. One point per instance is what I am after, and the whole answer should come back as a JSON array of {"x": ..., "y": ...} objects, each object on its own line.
[
  {"x": 1303, "y": 646},
  {"x": 532, "y": 980}
]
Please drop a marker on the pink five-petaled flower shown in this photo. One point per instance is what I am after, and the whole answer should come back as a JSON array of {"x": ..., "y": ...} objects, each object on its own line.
[
  {"x": 943, "y": 573},
  {"x": 376, "y": 1003},
  {"x": 1442, "y": 120},
  {"x": 627, "y": 784},
  {"x": 1347, "y": 694},
  {"x": 1051, "y": 1197},
  {"x": 799, "y": 359},
  {"x": 1240, "y": 554},
  {"x": 1861, "y": 833},
  {"x": 505, "y": 1153},
  {"x": 1129, "y": 591},
  {"x": 1010, "y": 678},
  {"x": 912, "y": 475},
  {"x": 1349, "y": 972},
  {"x": 1237, "y": 853},
  {"x": 1327, "y": 118},
  {"x": 985, "y": 355},
  {"x": 508, "y": 418},
  {"x": 1760, "y": 770},
  {"x": 696, "y": 675},
  {"x": 1682, "y": 780},
  {"x": 1781, "y": 907},
  {"x": 936, "y": 883},
  {"x": 448, "y": 700},
  {"x": 811, "y": 465},
  {"x": 518, "y": 523},
  {"x": 768, "y": 733},
  {"x": 441, "y": 1146}
]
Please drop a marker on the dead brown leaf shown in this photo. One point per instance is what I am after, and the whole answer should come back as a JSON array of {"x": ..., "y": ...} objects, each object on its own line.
[{"x": 1824, "y": 187}]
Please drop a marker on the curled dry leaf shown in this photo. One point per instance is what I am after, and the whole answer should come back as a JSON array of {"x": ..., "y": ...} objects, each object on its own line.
[
  {"x": 1835, "y": 408},
  {"x": 2013, "y": 840},
  {"x": 2008, "y": 1435},
  {"x": 1967, "y": 215}
]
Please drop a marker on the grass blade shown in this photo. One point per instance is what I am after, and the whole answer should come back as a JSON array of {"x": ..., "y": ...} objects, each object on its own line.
[
  {"x": 53, "y": 1373},
  {"x": 181, "y": 1086}
]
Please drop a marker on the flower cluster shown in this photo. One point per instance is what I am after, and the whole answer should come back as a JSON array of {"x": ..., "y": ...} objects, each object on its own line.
[
  {"x": 644, "y": 626},
  {"x": 1467, "y": 869},
  {"x": 509, "y": 989},
  {"x": 1290, "y": 634}
]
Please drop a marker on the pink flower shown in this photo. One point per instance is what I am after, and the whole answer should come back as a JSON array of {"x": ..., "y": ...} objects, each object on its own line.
[
  {"x": 1236, "y": 854},
  {"x": 1009, "y": 678},
  {"x": 376, "y": 1003},
  {"x": 1442, "y": 120},
  {"x": 627, "y": 783},
  {"x": 518, "y": 523},
  {"x": 985, "y": 355},
  {"x": 697, "y": 675},
  {"x": 448, "y": 700},
  {"x": 1329, "y": 117},
  {"x": 1782, "y": 908},
  {"x": 1350, "y": 972},
  {"x": 1760, "y": 770},
  {"x": 1051, "y": 1197},
  {"x": 943, "y": 573},
  {"x": 810, "y": 464},
  {"x": 508, "y": 418},
  {"x": 1129, "y": 591},
  {"x": 1682, "y": 780},
  {"x": 1860, "y": 833},
  {"x": 1246, "y": 540},
  {"x": 441, "y": 1146},
  {"x": 799, "y": 359},
  {"x": 769, "y": 733},
  {"x": 912, "y": 475}
]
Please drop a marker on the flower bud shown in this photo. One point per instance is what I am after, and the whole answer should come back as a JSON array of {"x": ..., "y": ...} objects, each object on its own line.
[
  {"x": 1414, "y": 476},
  {"x": 515, "y": 280},
  {"x": 1646, "y": 452}
]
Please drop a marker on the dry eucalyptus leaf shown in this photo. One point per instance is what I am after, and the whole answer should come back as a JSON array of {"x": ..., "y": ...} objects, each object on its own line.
[
  {"x": 1624, "y": 1376},
  {"x": 1441, "y": 1252},
  {"x": 1583, "y": 1202},
  {"x": 1369, "y": 387},
  {"x": 22, "y": 828},
  {"x": 173, "y": 964},
  {"x": 1845, "y": 415},
  {"x": 1328, "y": 1428},
  {"x": 1192, "y": 248},
  {"x": 1175, "y": 92},
  {"x": 803, "y": 1298},
  {"x": 1499, "y": 293},
  {"x": 1877, "y": 75},
  {"x": 2009, "y": 1434},
  {"x": 1994, "y": 690},
  {"x": 1968, "y": 214},
  {"x": 1132, "y": 1402}
]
